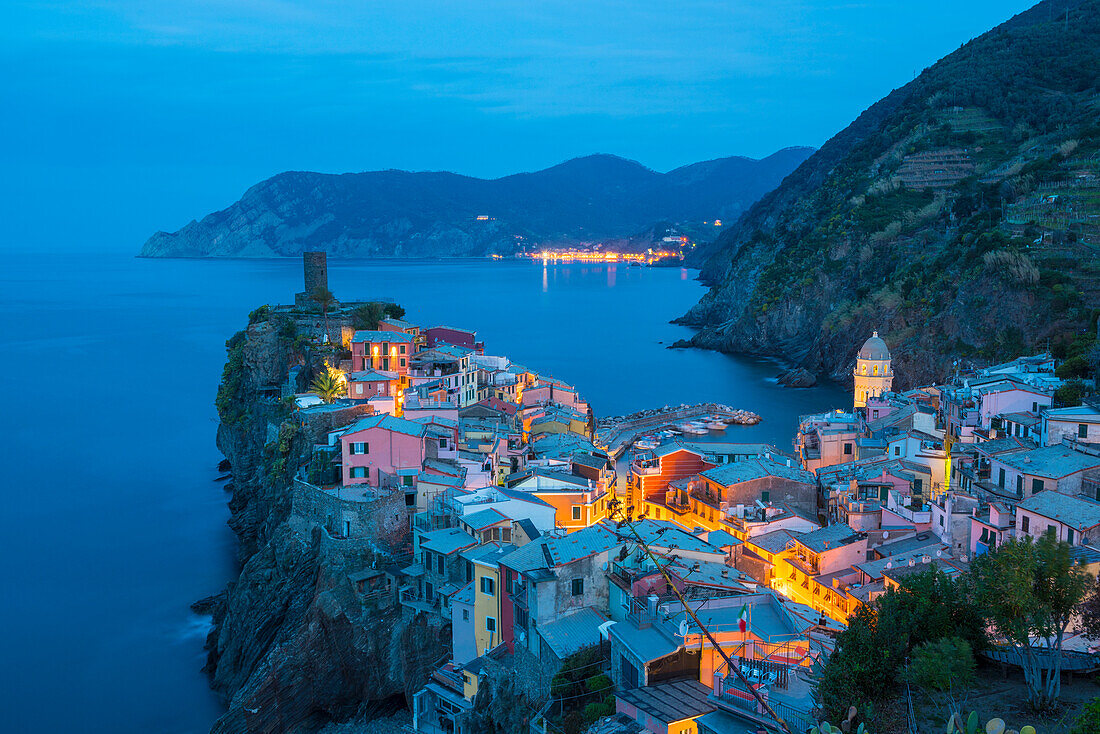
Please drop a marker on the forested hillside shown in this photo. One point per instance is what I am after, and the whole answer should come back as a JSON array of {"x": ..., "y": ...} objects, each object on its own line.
[{"x": 959, "y": 216}]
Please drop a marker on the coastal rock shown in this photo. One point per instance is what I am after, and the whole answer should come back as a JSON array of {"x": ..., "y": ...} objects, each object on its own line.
[
  {"x": 293, "y": 645},
  {"x": 797, "y": 377}
]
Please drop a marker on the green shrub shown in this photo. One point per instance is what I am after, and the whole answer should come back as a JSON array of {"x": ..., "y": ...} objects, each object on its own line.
[
  {"x": 942, "y": 665},
  {"x": 1089, "y": 720},
  {"x": 1073, "y": 367}
]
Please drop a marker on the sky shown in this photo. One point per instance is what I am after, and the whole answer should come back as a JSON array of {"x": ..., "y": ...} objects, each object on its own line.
[{"x": 119, "y": 118}]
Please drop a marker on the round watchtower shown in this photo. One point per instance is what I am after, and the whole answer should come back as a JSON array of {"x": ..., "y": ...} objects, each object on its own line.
[
  {"x": 873, "y": 375},
  {"x": 315, "y": 268}
]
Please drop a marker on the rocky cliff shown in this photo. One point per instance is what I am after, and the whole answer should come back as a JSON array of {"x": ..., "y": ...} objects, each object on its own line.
[
  {"x": 295, "y": 645},
  {"x": 958, "y": 216},
  {"x": 403, "y": 214}
]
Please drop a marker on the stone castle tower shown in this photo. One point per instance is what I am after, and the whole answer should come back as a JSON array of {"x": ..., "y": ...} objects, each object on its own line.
[
  {"x": 873, "y": 376},
  {"x": 315, "y": 267}
]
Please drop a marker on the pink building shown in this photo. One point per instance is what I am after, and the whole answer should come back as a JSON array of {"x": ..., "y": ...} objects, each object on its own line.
[
  {"x": 381, "y": 445},
  {"x": 366, "y": 384},
  {"x": 382, "y": 351},
  {"x": 438, "y": 335}
]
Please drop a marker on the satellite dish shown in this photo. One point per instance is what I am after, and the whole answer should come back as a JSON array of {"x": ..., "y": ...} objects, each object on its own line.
[
  {"x": 885, "y": 534},
  {"x": 683, "y": 628}
]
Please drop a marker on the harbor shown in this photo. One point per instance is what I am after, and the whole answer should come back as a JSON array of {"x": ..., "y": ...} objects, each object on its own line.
[{"x": 645, "y": 429}]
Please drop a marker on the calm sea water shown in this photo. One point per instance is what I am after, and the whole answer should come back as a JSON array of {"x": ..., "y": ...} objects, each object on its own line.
[{"x": 115, "y": 521}]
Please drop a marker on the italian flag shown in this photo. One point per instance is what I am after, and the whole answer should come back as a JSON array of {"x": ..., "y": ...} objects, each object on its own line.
[{"x": 743, "y": 619}]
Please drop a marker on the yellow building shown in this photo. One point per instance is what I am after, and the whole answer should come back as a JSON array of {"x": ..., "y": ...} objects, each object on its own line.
[
  {"x": 872, "y": 374},
  {"x": 484, "y": 561}
]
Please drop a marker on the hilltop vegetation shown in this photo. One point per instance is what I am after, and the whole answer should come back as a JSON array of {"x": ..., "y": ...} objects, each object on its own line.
[
  {"x": 431, "y": 214},
  {"x": 959, "y": 216}
]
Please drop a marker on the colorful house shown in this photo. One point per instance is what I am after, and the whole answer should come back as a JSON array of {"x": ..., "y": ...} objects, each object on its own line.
[
  {"x": 382, "y": 351},
  {"x": 381, "y": 448}
]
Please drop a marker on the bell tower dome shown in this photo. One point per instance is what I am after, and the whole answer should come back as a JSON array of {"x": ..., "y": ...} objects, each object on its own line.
[{"x": 873, "y": 375}]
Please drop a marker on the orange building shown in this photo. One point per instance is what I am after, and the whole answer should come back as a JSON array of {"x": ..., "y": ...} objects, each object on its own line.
[{"x": 651, "y": 473}]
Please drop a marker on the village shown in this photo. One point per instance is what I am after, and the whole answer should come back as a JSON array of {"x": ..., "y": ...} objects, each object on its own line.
[{"x": 693, "y": 582}]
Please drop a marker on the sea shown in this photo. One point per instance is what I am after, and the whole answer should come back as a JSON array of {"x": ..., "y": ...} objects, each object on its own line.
[{"x": 116, "y": 519}]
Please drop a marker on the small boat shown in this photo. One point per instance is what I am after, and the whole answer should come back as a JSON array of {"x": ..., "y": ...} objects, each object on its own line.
[
  {"x": 716, "y": 425},
  {"x": 645, "y": 444},
  {"x": 693, "y": 429}
]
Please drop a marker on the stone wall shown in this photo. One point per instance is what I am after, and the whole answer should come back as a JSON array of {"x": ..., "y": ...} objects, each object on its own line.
[{"x": 383, "y": 521}]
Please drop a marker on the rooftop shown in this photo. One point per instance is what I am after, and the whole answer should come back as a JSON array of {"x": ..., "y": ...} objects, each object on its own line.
[
  {"x": 372, "y": 337},
  {"x": 750, "y": 469},
  {"x": 573, "y": 631},
  {"x": 670, "y": 701},
  {"x": 446, "y": 541},
  {"x": 1076, "y": 512},
  {"x": 1050, "y": 461},
  {"x": 833, "y": 536},
  {"x": 386, "y": 422}
]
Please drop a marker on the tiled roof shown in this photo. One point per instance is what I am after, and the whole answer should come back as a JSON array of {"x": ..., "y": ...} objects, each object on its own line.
[
  {"x": 1050, "y": 461},
  {"x": 483, "y": 519},
  {"x": 773, "y": 542},
  {"x": 372, "y": 337},
  {"x": 833, "y": 536},
  {"x": 573, "y": 631},
  {"x": 671, "y": 701},
  {"x": 386, "y": 422},
  {"x": 371, "y": 376},
  {"x": 1076, "y": 512},
  {"x": 446, "y": 541},
  {"x": 750, "y": 469}
]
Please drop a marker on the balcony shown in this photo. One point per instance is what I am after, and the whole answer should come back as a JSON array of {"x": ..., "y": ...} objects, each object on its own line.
[{"x": 412, "y": 598}]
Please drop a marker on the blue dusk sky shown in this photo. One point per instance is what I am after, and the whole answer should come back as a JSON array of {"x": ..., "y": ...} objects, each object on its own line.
[{"x": 122, "y": 117}]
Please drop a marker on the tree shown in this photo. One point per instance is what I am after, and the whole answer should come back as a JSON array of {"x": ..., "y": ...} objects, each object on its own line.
[
  {"x": 943, "y": 665},
  {"x": 323, "y": 297},
  {"x": 393, "y": 311},
  {"x": 367, "y": 316},
  {"x": 861, "y": 668},
  {"x": 1029, "y": 591},
  {"x": 328, "y": 385},
  {"x": 929, "y": 606},
  {"x": 1070, "y": 394}
]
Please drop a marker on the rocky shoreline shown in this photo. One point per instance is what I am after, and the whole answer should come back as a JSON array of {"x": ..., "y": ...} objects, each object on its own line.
[{"x": 294, "y": 646}]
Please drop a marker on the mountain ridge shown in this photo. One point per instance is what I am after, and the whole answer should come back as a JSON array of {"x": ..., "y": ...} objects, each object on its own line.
[
  {"x": 924, "y": 218},
  {"x": 435, "y": 213}
]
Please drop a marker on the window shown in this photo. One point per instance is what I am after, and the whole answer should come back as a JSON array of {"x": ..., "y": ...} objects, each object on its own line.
[
  {"x": 1036, "y": 486},
  {"x": 577, "y": 587},
  {"x": 847, "y": 449},
  {"x": 439, "y": 564},
  {"x": 488, "y": 585},
  {"x": 402, "y": 361},
  {"x": 874, "y": 370},
  {"x": 490, "y": 624},
  {"x": 1082, "y": 430},
  {"x": 1001, "y": 479},
  {"x": 1069, "y": 535},
  {"x": 521, "y": 618},
  {"x": 897, "y": 451},
  {"x": 765, "y": 496},
  {"x": 407, "y": 481},
  {"x": 1025, "y": 524},
  {"x": 359, "y": 447},
  {"x": 402, "y": 351},
  {"x": 1034, "y": 407},
  {"x": 576, "y": 512},
  {"x": 941, "y": 521},
  {"x": 1020, "y": 485},
  {"x": 918, "y": 485},
  {"x": 359, "y": 472},
  {"x": 358, "y": 388},
  {"x": 465, "y": 615}
]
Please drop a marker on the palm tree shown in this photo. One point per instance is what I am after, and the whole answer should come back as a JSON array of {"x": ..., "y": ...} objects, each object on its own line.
[
  {"x": 323, "y": 297},
  {"x": 327, "y": 385}
]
